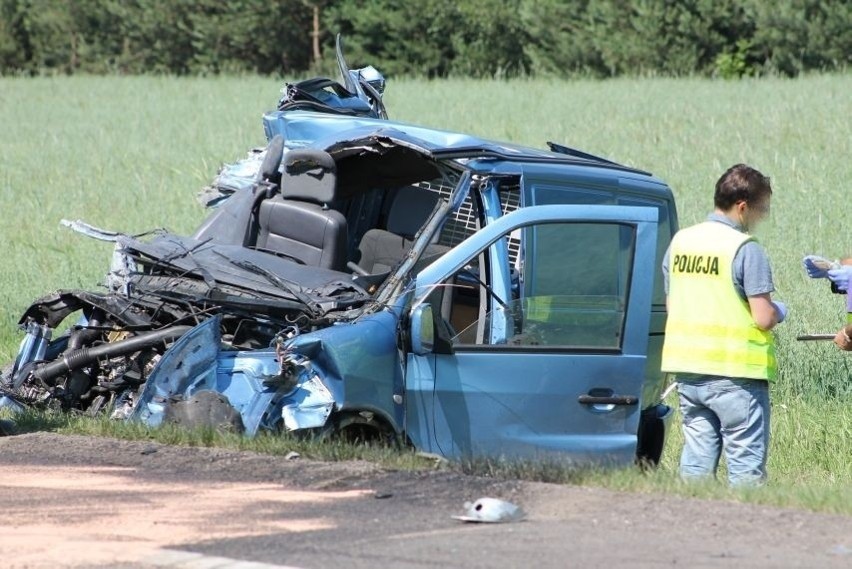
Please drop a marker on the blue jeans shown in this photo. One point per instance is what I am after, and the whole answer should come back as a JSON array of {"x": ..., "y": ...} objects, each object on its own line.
[{"x": 723, "y": 412}]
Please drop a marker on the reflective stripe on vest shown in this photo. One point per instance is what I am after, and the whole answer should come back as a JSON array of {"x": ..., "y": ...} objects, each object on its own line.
[{"x": 710, "y": 329}]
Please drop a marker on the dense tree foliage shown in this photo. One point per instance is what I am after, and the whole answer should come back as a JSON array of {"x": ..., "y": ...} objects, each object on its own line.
[{"x": 434, "y": 38}]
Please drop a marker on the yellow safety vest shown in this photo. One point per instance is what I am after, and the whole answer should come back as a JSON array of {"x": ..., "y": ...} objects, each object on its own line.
[{"x": 710, "y": 329}]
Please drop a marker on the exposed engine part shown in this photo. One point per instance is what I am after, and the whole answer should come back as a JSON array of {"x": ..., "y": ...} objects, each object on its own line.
[
  {"x": 78, "y": 384},
  {"x": 32, "y": 349},
  {"x": 32, "y": 394},
  {"x": 97, "y": 404},
  {"x": 289, "y": 363},
  {"x": 71, "y": 361},
  {"x": 79, "y": 337},
  {"x": 123, "y": 406}
]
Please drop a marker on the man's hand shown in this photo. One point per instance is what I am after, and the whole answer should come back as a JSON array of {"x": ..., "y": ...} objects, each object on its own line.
[
  {"x": 840, "y": 276},
  {"x": 817, "y": 267},
  {"x": 843, "y": 340},
  {"x": 780, "y": 310}
]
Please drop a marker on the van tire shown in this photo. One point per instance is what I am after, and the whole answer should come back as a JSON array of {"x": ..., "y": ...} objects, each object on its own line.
[{"x": 362, "y": 427}]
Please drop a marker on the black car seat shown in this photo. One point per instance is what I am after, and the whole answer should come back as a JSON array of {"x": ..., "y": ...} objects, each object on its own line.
[
  {"x": 382, "y": 249},
  {"x": 298, "y": 223}
]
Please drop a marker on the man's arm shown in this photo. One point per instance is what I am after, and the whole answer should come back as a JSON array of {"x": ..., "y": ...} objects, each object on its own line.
[
  {"x": 752, "y": 263},
  {"x": 763, "y": 311}
]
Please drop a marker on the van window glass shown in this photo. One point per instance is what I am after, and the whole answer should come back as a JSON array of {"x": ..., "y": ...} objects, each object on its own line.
[
  {"x": 460, "y": 302},
  {"x": 544, "y": 194},
  {"x": 570, "y": 290}
]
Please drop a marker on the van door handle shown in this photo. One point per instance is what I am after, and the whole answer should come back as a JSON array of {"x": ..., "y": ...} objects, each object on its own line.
[{"x": 608, "y": 400}]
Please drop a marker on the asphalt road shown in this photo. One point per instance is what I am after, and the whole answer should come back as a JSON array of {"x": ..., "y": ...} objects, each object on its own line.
[{"x": 92, "y": 502}]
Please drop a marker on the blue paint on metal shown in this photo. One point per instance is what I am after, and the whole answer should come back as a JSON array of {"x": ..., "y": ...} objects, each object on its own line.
[
  {"x": 500, "y": 401},
  {"x": 506, "y": 403},
  {"x": 319, "y": 130},
  {"x": 359, "y": 363},
  {"x": 189, "y": 365},
  {"x": 305, "y": 128},
  {"x": 356, "y": 364},
  {"x": 500, "y": 277},
  {"x": 194, "y": 363}
]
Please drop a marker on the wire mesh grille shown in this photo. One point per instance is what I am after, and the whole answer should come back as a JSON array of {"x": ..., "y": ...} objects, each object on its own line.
[{"x": 463, "y": 222}]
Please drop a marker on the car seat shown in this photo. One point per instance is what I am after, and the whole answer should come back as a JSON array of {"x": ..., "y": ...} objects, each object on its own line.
[
  {"x": 382, "y": 249},
  {"x": 298, "y": 223}
]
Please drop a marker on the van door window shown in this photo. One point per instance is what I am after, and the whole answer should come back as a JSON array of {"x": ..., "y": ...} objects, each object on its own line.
[
  {"x": 569, "y": 290},
  {"x": 462, "y": 303}
]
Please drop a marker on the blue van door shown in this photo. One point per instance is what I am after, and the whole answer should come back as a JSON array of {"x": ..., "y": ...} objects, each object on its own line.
[{"x": 542, "y": 326}]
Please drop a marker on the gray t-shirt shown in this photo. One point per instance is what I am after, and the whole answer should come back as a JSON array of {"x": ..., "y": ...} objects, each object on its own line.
[{"x": 750, "y": 270}]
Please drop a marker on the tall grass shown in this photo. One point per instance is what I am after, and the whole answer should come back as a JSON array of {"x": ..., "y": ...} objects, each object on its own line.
[{"x": 130, "y": 154}]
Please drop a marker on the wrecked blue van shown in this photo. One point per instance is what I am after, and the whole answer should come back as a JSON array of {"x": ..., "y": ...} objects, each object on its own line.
[{"x": 384, "y": 281}]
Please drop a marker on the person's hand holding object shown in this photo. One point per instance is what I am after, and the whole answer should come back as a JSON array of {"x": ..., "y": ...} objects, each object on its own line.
[
  {"x": 840, "y": 276},
  {"x": 817, "y": 267},
  {"x": 842, "y": 339}
]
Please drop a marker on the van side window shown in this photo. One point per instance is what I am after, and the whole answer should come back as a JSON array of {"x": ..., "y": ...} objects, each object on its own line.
[
  {"x": 461, "y": 303},
  {"x": 569, "y": 290}
]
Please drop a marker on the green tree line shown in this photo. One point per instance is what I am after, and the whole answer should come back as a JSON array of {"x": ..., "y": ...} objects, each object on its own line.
[{"x": 432, "y": 38}]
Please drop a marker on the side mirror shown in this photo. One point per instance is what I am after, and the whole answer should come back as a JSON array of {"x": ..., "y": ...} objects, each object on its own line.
[
  {"x": 428, "y": 334},
  {"x": 422, "y": 330}
]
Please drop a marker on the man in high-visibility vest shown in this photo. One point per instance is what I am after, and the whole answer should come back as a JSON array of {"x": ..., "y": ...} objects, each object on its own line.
[{"x": 720, "y": 311}]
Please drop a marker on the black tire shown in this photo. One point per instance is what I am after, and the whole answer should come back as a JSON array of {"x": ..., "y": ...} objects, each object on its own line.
[{"x": 363, "y": 428}]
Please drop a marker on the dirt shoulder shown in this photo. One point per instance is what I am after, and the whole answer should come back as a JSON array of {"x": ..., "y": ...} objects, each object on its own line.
[{"x": 71, "y": 501}]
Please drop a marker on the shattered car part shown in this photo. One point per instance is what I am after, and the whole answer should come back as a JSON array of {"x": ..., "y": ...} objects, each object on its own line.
[{"x": 491, "y": 510}]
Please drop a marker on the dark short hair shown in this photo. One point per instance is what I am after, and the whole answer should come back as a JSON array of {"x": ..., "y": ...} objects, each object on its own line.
[{"x": 741, "y": 183}]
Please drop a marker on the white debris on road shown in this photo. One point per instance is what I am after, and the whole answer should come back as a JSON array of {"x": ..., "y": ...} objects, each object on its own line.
[{"x": 491, "y": 510}]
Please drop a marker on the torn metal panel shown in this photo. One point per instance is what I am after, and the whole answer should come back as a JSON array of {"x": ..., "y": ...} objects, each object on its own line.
[
  {"x": 193, "y": 365},
  {"x": 309, "y": 406},
  {"x": 261, "y": 387},
  {"x": 359, "y": 364},
  {"x": 52, "y": 309},
  {"x": 88, "y": 230},
  {"x": 121, "y": 267},
  {"x": 256, "y": 272},
  {"x": 189, "y": 366},
  {"x": 238, "y": 176}
]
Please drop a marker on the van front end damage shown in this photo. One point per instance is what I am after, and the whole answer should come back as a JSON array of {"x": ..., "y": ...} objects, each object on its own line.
[{"x": 345, "y": 379}]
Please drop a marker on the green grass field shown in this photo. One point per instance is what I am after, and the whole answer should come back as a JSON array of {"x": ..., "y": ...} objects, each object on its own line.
[{"x": 130, "y": 154}]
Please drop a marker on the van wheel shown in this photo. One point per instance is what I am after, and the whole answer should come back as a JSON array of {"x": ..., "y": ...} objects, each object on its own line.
[{"x": 363, "y": 428}]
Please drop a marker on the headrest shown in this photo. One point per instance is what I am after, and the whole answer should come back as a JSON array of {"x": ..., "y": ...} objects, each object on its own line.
[
  {"x": 309, "y": 175},
  {"x": 410, "y": 210}
]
